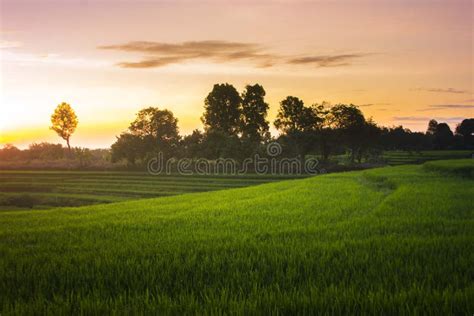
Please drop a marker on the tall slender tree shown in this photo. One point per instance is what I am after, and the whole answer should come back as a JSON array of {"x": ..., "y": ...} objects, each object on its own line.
[
  {"x": 64, "y": 122},
  {"x": 254, "y": 125}
]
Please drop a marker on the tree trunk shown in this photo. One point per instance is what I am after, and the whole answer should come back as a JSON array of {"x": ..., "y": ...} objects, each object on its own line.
[{"x": 68, "y": 148}]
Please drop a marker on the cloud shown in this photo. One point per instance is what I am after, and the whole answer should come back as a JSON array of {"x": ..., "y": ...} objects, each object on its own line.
[
  {"x": 440, "y": 90},
  {"x": 372, "y": 104},
  {"x": 435, "y": 107},
  {"x": 426, "y": 119},
  {"x": 452, "y": 106},
  {"x": 161, "y": 54},
  {"x": 326, "y": 60},
  {"x": 158, "y": 54}
]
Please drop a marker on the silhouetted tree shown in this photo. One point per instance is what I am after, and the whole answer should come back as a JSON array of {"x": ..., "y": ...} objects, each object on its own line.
[
  {"x": 222, "y": 110},
  {"x": 129, "y": 147},
  {"x": 191, "y": 145},
  {"x": 217, "y": 144},
  {"x": 222, "y": 122},
  {"x": 349, "y": 124},
  {"x": 254, "y": 125},
  {"x": 293, "y": 116},
  {"x": 321, "y": 132},
  {"x": 157, "y": 128},
  {"x": 432, "y": 127},
  {"x": 64, "y": 122},
  {"x": 10, "y": 152},
  {"x": 466, "y": 129},
  {"x": 45, "y": 151},
  {"x": 443, "y": 136},
  {"x": 298, "y": 125},
  {"x": 152, "y": 131},
  {"x": 368, "y": 141}
]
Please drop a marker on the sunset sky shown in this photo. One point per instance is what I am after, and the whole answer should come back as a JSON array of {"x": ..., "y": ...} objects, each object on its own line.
[{"x": 403, "y": 62}]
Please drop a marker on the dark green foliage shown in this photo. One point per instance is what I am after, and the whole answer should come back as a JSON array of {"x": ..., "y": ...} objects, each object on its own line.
[
  {"x": 443, "y": 136},
  {"x": 10, "y": 152},
  {"x": 222, "y": 110},
  {"x": 46, "y": 151},
  {"x": 152, "y": 131},
  {"x": 293, "y": 116},
  {"x": 254, "y": 112},
  {"x": 399, "y": 138},
  {"x": 129, "y": 147},
  {"x": 159, "y": 127},
  {"x": 466, "y": 129},
  {"x": 191, "y": 145}
]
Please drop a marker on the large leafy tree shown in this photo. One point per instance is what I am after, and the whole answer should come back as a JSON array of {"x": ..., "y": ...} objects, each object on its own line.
[
  {"x": 293, "y": 116},
  {"x": 129, "y": 147},
  {"x": 323, "y": 135},
  {"x": 191, "y": 145},
  {"x": 443, "y": 136},
  {"x": 159, "y": 128},
  {"x": 466, "y": 129},
  {"x": 432, "y": 126},
  {"x": 222, "y": 110},
  {"x": 64, "y": 122},
  {"x": 349, "y": 125},
  {"x": 153, "y": 130},
  {"x": 254, "y": 125},
  {"x": 298, "y": 124},
  {"x": 369, "y": 139}
]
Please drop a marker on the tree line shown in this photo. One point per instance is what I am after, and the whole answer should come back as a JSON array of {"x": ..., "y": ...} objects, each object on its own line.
[{"x": 236, "y": 126}]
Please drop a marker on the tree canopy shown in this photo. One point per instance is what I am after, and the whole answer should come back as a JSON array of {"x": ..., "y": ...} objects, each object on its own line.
[
  {"x": 236, "y": 126},
  {"x": 64, "y": 122},
  {"x": 254, "y": 125},
  {"x": 153, "y": 130},
  {"x": 222, "y": 110}
]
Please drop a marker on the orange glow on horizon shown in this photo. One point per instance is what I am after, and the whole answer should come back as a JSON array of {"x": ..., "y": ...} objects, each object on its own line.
[{"x": 402, "y": 62}]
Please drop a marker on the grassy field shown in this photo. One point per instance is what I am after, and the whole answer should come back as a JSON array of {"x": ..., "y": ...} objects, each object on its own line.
[
  {"x": 383, "y": 241},
  {"x": 46, "y": 189},
  {"x": 399, "y": 157},
  {"x": 394, "y": 158}
]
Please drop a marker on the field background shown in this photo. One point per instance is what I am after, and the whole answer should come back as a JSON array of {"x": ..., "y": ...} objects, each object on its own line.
[
  {"x": 400, "y": 157},
  {"x": 396, "y": 157},
  {"x": 24, "y": 190},
  {"x": 394, "y": 240}
]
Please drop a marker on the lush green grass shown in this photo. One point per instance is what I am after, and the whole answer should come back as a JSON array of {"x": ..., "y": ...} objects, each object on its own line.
[
  {"x": 404, "y": 157},
  {"x": 46, "y": 189},
  {"x": 383, "y": 241},
  {"x": 399, "y": 157},
  {"x": 461, "y": 167}
]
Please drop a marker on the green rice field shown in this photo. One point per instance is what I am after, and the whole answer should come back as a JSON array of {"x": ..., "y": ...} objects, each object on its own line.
[
  {"x": 394, "y": 158},
  {"x": 46, "y": 189},
  {"x": 386, "y": 241}
]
